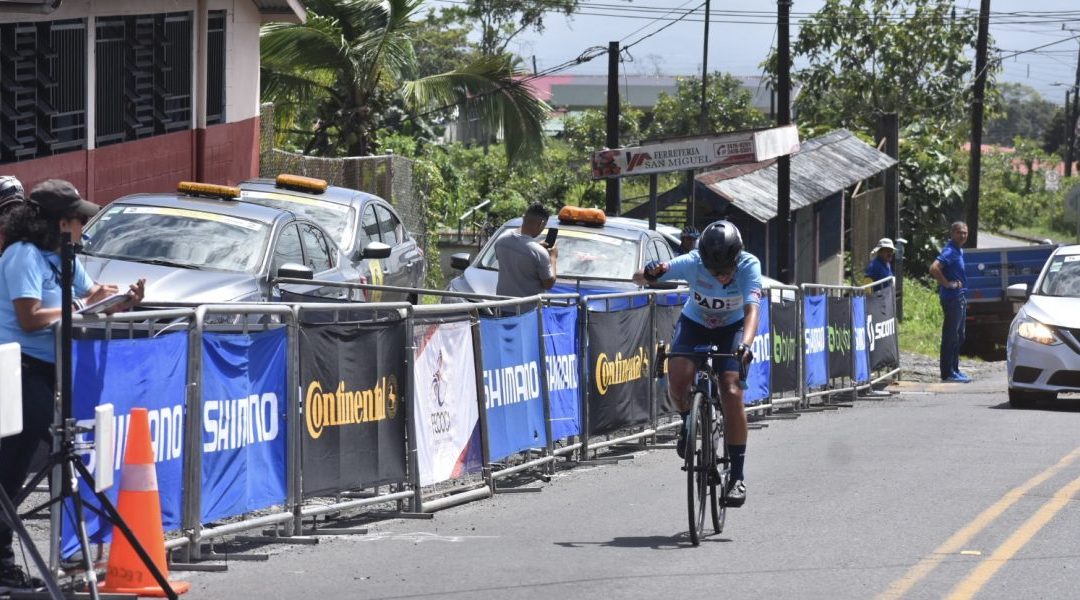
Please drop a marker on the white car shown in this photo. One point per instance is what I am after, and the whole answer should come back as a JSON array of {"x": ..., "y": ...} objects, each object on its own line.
[{"x": 1043, "y": 350}]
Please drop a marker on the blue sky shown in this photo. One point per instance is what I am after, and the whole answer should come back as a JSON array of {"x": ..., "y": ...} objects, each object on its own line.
[{"x": 739, "y": 42}]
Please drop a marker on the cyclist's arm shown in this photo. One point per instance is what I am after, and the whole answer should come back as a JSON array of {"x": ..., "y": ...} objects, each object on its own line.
[{"x": 752, "y": 313}]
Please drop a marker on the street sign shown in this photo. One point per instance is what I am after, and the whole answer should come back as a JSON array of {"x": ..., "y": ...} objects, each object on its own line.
[{"x": 696, "y": 153}]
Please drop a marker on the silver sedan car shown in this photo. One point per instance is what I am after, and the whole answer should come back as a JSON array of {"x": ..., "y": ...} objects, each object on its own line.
[{"x": 1043, "y": 348}]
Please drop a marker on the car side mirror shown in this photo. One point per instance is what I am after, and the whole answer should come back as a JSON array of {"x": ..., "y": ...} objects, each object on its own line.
[
  {"x": 1017, "y": 292},
  {"x": 460, "y": 261},
  {"x": 373, "y": 250},
  {"x": 295, "y": 271}
]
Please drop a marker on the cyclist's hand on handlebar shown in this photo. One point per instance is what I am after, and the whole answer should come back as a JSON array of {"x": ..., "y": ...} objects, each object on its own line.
[{"x": 744, "y": 354}]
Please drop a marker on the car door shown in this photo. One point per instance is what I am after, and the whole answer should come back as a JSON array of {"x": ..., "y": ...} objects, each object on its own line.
[
  {"x": 321, "y": 256},
  {"x": 399, "y": 266},
  {"x": 288, "y": 250}
]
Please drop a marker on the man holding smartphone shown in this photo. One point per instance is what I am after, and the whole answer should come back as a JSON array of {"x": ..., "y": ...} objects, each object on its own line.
[{"x": 526, "y": 267}]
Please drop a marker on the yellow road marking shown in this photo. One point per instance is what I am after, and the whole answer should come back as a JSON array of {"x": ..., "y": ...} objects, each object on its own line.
[
  {"x": 989, "y": 566},
  {"x": 960, "y": 539}
]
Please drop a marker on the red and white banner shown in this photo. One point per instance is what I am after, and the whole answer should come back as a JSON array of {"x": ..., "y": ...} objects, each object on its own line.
[
  {"x": 696, "y": 153},
  {"x": 447, "y": 417}
]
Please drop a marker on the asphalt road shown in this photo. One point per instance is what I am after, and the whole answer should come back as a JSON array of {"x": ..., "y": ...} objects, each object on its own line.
[{"x": 938, "y": 490}]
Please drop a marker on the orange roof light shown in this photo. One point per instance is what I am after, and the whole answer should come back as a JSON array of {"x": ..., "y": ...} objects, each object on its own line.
[
  {"x": 301, "y": 183},
  {"x": 209, "y": 190},
  {"x": 593, "y": 217}
]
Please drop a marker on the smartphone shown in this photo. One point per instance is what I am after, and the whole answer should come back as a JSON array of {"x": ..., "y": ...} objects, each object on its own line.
[{"x": 553, "y": 232}]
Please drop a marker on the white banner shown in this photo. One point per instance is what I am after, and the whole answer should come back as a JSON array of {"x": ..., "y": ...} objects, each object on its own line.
[
  {"x": 696, "y": 153},
  {"x": 447, "y": 418}
]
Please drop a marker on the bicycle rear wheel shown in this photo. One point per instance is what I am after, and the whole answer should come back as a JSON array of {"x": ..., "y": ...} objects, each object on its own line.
[{"x": 698, "y": 449}]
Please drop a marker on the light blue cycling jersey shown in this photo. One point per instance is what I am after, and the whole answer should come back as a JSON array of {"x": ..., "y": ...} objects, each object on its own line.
[{"x": 712, "y": 303}]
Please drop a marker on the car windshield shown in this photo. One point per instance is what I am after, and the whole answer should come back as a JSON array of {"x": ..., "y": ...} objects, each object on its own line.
[
  {"x": 177, "y": 236},
  {"x": 1062, "y": 277},
  {"x": 584, "y": 254},
  {"x": 339, "y": 220}
]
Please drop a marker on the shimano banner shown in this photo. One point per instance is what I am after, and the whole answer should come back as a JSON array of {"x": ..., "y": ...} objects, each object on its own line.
[
  {"x": 881, "y": 329},
  {"x": 839, "y": 337},
  {"x": 858, "y": 320},
  {"x": 145, "y": 373},
  {"x": 619, "y": 369},
  {"x": 758, "y": 376},
  {"x": 510, "y": 348},
  {"x": 784, "y": 316},
  {"x": 244, "y": 417},
  {"x": 562, "y": 368},
  {"x": 668, "y": 308},
  {"x": 351, "y": 387},
  {"x": 447, "y": 415},
  {"x": 814, "y": 349}
]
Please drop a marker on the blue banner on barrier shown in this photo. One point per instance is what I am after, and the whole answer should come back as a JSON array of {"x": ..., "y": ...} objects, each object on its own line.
[
  {"x": 244, "y": 416},
  {"x": 144, "y": 373},
  {"x": 515, "y": 405},
  {"x": 858, "y": 331},
  {"x": 760, "y": 372},
  {"x": 561, "y": 356},
  {"x": 814, "y": 347}
]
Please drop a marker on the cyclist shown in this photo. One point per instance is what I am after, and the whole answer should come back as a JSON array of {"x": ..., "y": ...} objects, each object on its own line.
[
  {"x": 688, "y": 238},
  {"x": 722, "y": 311}
]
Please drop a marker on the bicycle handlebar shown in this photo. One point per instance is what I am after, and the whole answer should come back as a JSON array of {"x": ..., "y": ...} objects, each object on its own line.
[{"x": 662, "y": 355}]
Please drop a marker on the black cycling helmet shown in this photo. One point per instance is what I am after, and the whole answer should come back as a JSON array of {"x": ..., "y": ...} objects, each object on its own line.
[
  {"x": 719, "y": 246},
  {"x": 11, "y": 192},
  {"x": 690, "y": 232}
]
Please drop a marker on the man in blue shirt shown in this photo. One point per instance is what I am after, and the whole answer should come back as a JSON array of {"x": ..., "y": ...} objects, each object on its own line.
[
  {"x": 948, "y": 270},
  {"x": 880, "y": 266}
]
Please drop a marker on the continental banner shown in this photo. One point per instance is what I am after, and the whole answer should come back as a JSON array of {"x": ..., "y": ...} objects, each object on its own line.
[
  {"x": 244, "y": 416},
  {"x": 447, "y": 415},
  {"x": 129, "y": 373},
  {"x": 513, "y": 400},
  {"x": 858, "y": 320},
  {"x": 562, "y": 369},
  {"x": 668, "y": 308},
  {"x": 619, "y": 369},
  {"x": 760, "y": 371},
  {"x": 881, "y": 329},
  {"x": 785, "y": 347},
  {"x": 839, "y": 337},
  {"x": 816, "y": 361},
  {"x": 353, "y": 398}
]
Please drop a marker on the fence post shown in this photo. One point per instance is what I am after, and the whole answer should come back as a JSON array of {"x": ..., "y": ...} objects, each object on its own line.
[
  {"x": 410, "y": 413},
  {"x": 583, "y": 349},
  {"x": 192, "y": 517},
  {"x": 481, "y": 399},
  {"x": 295, "y": 439},
  {"x": 800, "y": 309},
  {"x": 545, "y": 392},
  {"x": 653, "y": 416}
]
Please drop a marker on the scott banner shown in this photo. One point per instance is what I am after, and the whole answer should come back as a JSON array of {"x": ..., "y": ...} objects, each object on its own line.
[
  {"x": 816, "y": 362},
  {"x": 244, "y": 417},
  {"x": 447, "y": 415},
  {"x": 619, "y": 363},
  {"x": 858, "y": 320},
  {"x": 839, "y": 337},
  {"x": 144, "y": 373},
  {"x": 510, "y": 348},
  {"x": 785, "y": 346},
  {"x": 351, "y": 380},
  {"x": 561, "y": 358},
  {"x": 760, "y": 371},
  {"x": 881, "y": 329}
]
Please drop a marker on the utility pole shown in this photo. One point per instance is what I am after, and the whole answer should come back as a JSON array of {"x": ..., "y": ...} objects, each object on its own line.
[
  {"x": 703, "y": 114},
  {"x": 614, "y": 196},
  {"x": 889, "y": 130},
  {"x": 783, "y": 164},
  {"x": 975, "y": 163},
  {"x": 1068, "y": 157},
  {"x": 1070, "y": 120}
]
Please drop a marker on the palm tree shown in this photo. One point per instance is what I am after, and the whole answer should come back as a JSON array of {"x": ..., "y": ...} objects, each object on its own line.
[{"x": 350, "y": 69}]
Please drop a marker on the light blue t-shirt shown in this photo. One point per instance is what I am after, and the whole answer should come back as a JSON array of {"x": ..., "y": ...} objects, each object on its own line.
[
  {"x": 28, "y": 272},
  {"x": 712, "y": 303}
]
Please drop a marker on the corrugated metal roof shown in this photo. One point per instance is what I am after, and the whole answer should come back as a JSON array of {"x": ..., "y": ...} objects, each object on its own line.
[
  {"x": 822, "y": 167},
  {"x": 291, "y": 11}
]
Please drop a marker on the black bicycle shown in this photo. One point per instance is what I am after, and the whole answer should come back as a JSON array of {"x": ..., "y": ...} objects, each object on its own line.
[{"x": 706, "y": 469}]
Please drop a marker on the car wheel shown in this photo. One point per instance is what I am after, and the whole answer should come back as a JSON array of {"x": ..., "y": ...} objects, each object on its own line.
[{"x": 1027, "y": 399}]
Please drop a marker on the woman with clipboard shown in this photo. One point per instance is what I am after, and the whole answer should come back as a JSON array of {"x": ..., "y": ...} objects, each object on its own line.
[{"x": 30, "y": 296}]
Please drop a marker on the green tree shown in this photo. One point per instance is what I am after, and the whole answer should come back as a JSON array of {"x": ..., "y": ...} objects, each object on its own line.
[
  {"x": 500, "y": 21},
  {"x": 1053, "y": 137},
  {"x": 441, "y": 45},
  {"x": 1024, "y": 113},
  {"x": 587, "y": 131},
  {"x": 352, "y": 68},
  {"x": 730, "y": 107}
]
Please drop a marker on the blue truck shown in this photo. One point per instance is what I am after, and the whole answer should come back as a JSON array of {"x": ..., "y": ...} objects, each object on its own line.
[{"x": 989, "y": 272}]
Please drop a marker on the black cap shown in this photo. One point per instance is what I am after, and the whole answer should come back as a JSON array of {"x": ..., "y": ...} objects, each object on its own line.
[{"x": 58, "y": 198}]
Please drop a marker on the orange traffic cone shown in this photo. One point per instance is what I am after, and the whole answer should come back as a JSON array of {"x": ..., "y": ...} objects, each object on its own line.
[{"x": 140, "y": 508}]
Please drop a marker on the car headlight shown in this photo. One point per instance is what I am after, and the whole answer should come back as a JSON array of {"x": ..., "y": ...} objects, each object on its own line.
[{"x": 1030, "y": 329}]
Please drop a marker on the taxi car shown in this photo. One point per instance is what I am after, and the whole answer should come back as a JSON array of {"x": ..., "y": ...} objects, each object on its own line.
[
  {"x": 366, "y": 228},
  {"x": 199, "y": 245},
  {"x": 1043, "y": 347}
]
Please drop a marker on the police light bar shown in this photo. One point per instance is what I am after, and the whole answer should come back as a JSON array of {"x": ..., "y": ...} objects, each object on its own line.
[
  {"x": 593, "y": 217},
  {"x": 301, "y": 183},
  {"x": 209, "y": 190}
]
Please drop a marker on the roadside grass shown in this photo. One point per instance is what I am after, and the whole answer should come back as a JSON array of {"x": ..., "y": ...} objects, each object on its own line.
[{"x": 920, "y": 331}]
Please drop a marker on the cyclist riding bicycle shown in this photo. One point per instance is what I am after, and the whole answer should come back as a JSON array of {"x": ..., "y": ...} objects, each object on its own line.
[{"x": 722, "y": 311}]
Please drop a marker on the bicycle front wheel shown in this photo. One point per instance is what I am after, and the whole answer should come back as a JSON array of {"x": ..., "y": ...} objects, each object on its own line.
[
  {"x": 697, "y": 453},
  {"x": 720, "y": 470}
]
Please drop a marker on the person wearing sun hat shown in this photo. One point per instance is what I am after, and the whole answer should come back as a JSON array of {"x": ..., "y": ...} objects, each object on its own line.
[{"x": 881, "y": 263}]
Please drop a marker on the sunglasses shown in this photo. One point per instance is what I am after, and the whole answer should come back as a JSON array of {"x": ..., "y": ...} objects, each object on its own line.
[{"x": 725, "y": 272}]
